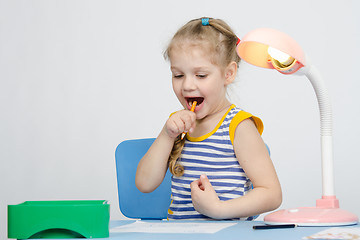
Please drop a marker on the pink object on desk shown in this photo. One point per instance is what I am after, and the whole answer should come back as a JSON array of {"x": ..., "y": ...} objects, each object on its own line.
[
  {"x": 269, "y": 48},
  {"x": 326, "y": 213}
]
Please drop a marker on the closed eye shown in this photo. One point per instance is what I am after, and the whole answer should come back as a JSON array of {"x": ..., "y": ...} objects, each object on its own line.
[
  {"x": 201, "y": 75},
  {"x": 178, "y": 76}
]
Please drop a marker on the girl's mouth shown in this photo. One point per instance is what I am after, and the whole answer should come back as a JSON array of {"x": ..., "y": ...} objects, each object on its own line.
[{"x": 190, "y": 101}]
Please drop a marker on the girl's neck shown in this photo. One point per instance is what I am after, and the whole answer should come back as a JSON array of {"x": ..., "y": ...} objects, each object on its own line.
[
  {"x": 216, "y": 114},
  {"x": 208, "y": 123}
]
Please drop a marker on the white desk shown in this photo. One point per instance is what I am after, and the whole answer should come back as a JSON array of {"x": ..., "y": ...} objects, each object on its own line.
[{"x": 242, "y": 230}]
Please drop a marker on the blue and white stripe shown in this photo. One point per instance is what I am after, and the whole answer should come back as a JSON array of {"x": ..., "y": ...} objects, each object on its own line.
[{"x": 215, "y": 157}]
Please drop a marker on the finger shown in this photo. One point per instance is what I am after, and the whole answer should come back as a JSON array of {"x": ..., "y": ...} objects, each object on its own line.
[
  {"x": 192, "y": 116},
  {"x": 179, "y": 125},
  {"x": 188, "y": 122},
  {"x": 192, "y": 127},
  {"x": 205, "y": 181},
  {"x": 195, "y": 184},
  {"x": 172, "y": 128}
]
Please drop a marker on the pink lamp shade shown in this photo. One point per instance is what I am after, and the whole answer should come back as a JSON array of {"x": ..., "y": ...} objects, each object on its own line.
[{"x": 254, "y": 46}]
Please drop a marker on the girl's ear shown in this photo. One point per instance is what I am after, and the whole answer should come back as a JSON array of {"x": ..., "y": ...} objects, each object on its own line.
[{"x": 230, "y": 73}]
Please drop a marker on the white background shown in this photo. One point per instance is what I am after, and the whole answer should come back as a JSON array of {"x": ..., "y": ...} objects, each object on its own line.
[{"x": 79, "y": 77}]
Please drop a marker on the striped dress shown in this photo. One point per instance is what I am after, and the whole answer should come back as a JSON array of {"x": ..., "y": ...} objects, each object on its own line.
[{"x": 213, "y": 155}]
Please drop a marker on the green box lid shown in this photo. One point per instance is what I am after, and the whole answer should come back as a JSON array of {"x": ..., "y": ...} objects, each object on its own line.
[{"x": 59, "y": 219}]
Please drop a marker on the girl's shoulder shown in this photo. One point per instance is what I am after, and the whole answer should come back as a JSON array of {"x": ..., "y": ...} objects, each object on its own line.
[{"x": 238, "y": 115}]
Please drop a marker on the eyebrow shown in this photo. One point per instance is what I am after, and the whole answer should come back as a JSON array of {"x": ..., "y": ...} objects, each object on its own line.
[
  {"x": 195, "y": 69},
  {"x": 201, "y": 69}
]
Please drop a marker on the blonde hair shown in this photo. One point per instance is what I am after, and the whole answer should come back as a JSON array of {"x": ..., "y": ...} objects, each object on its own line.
[{"x": 220, "y": 42}]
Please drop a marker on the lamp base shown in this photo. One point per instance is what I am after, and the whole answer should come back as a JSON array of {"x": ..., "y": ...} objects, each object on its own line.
[
  {"x": 326, "y": 213},
  {"x": 312, "y": 216}
]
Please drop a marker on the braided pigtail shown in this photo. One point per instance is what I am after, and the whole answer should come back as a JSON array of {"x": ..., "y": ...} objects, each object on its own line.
[{"x": 175, "y": 167}]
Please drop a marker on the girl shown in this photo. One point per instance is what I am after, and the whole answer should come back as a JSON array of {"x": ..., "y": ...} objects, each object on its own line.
[{"x": 221, "y": 169}]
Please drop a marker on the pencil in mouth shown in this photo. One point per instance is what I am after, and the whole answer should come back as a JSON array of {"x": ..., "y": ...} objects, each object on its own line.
[
  {"x": 193, "y": 106},
  {"x": 198, "y": 100}
]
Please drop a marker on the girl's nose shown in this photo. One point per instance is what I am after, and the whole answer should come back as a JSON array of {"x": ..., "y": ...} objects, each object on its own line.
[{"x": 189, "y": 84}]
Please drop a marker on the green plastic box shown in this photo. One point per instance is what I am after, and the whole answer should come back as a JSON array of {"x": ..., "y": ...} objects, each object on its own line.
[{"x": 59, "y": 219}]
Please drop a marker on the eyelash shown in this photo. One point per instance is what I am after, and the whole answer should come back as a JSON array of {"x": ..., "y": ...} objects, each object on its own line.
[{"x": 199, "y": 76}]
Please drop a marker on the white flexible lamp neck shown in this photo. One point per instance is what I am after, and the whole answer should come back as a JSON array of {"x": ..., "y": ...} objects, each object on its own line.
[{"x": 325, "y": 129}]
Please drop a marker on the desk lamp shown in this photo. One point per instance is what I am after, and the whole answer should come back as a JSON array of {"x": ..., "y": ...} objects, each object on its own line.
[{"x": 269, "y": 48}]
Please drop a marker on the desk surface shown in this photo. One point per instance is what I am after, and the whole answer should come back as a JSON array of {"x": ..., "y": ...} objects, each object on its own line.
[{"x": 242, "y": 230}]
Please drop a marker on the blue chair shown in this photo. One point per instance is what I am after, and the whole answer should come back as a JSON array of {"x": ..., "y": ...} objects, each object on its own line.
[{"x": 132, "y": 202}]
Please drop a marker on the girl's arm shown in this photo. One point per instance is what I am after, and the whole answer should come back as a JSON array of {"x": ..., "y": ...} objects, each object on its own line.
[
  {"x": 253, "y": 157},
  {"x": 153, "y": 166}
]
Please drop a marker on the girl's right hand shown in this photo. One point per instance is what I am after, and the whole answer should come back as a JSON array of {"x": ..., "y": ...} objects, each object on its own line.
[{"x": 179, "y": 122}]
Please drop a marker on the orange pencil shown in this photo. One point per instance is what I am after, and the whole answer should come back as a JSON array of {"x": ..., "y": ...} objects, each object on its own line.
[{"x": 192, "y": 109}]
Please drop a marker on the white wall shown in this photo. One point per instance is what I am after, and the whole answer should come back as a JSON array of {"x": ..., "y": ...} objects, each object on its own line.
[{"x": 78, "y": 77}]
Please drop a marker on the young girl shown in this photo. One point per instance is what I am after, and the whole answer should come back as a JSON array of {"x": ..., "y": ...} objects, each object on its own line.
[{"x": 221, "y": 169}]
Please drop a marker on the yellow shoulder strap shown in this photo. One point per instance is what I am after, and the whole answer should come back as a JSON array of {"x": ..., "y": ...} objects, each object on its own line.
[{"x": 238, "y": 118}]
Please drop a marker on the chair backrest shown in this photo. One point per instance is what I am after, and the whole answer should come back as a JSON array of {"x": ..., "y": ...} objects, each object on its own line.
[{"x": 132, "y": 202}]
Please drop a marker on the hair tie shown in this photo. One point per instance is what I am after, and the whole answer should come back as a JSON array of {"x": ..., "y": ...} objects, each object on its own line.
[
  {"x": 205, "y": 21},
  {"x": 238, "y": 41}
]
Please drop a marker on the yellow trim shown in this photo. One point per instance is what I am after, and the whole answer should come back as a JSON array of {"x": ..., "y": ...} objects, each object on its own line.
[
  {"x": 199, "y": 139},
  {"x": 169, "y": 211},
  {"x": 238, "y": 118},
  {"x": 172, "y": 114},
  {"x": 258, "y": 123}
]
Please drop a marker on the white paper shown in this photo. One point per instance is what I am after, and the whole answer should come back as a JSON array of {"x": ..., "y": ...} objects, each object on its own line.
[
  {"x": 173, "y": 227},
  {"x": 337, "y": 233}
]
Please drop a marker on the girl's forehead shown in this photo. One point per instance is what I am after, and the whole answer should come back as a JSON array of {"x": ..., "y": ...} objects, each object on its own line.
[
  {"x": 191, "y": 57},
  {"x": 188, "y": 44},
  {"x": 193, "y": 49}
]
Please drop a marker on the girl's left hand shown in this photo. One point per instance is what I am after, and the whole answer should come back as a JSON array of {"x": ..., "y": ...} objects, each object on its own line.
[{"x": 204, "y": 197}]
